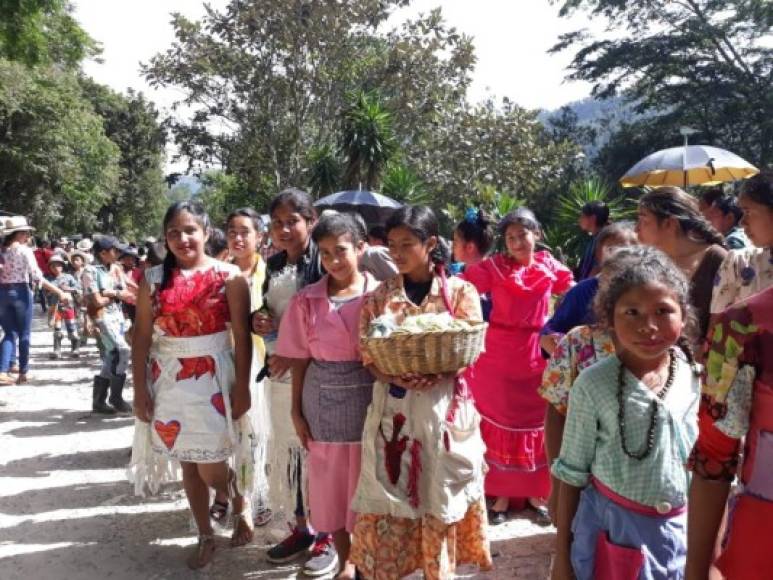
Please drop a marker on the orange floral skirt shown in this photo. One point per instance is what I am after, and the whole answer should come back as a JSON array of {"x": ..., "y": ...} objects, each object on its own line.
[{"x": 385, "y": 547}]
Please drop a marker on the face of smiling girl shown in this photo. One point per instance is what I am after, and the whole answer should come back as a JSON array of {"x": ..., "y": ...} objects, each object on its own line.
[
  {"x": 647, "y": 321},
  {"x": 243, "y": 238},
  {"x": 186, "y": 237},
  {"x": 520, "y": 243},
  {"x": 289, "y": 229},
  {"x": 340, "y": 256}
]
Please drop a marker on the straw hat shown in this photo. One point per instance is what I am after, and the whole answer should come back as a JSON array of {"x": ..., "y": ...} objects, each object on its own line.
[
  {"x": 85, "y": 256},
  {"x": 84, "y": 245},
  {"x": 56, "y": 258},
  {"x": 13, "y": 224}
]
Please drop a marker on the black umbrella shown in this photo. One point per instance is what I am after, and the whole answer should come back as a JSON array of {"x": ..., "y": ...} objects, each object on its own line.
[{"x": 373, "y": 207}]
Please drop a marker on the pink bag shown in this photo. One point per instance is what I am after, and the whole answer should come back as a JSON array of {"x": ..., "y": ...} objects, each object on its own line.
[{"x": 615, "y": 562}]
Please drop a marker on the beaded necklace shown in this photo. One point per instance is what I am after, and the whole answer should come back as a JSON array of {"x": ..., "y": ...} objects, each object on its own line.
[{"x": 639, "y": 455}]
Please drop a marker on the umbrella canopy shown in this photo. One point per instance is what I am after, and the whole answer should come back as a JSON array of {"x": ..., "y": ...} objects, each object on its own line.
[
  {"x": 691, "y": 165},
  {"x": 372, "y": 206}
]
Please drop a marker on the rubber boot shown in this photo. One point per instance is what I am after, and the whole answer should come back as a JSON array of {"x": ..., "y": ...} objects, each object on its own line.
[
  {"x": 57, "y": 344},
  {"x": 99, "y": 394},
  {"x": 75, "y": 345},
  {"x": 116, "y": 395}
]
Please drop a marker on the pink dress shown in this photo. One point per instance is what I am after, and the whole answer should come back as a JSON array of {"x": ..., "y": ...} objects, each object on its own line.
[
  {"x": 337, "y": 390},
  {"x": 506, "y": 378}
]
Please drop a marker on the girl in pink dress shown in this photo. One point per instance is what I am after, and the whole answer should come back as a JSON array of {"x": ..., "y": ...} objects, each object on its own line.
[
  {"x": 331, "y": 387},
  {"x": 506, "y": 377}
]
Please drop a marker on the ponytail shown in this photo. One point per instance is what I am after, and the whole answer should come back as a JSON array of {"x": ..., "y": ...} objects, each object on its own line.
[{"x": 169, "y": 264}]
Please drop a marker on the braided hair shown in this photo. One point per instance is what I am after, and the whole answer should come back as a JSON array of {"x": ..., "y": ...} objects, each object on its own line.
[{"x": 672, "y": 202}]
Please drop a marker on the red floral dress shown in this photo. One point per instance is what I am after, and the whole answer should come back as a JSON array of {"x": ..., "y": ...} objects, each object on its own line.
[{"x": 191, "y": 364}]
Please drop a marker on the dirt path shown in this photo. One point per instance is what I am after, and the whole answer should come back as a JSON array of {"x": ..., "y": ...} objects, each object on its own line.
[{"x": 67, "y": 512}]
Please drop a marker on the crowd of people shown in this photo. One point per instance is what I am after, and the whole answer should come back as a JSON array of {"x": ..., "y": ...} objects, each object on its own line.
[{"x": 607, "y": 401}]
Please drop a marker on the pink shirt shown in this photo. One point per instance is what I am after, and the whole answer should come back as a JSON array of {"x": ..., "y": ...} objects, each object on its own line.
[
  {"x": 19, "y": 266},
  {"x": 313, "y": 328}
]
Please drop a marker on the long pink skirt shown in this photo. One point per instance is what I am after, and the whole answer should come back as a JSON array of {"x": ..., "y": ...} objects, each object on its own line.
[
  {"x": 504, "y": 382},
  {"x": 333, "y": 471}
]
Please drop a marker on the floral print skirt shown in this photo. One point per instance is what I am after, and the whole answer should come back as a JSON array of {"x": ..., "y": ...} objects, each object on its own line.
[{"x": 386, "y": 547}]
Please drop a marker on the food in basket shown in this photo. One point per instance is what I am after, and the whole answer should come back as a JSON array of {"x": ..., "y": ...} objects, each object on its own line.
[{"x": 386, "y": 325}]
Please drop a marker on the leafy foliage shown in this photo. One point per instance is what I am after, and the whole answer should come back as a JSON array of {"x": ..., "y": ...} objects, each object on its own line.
[
  {"x": 134, "y": 207},
  {"x": 324, "y": 170},
  {"x": 43, "y": 32},
  {"x": 702, "y": 63},
  {"x": 56, "y": 164},
  {"x": 367, "y": 140},
  {"x": 402, "y": 184},
  {"x": 223, "y": 192},
  {"x": 564, "y": 235}
]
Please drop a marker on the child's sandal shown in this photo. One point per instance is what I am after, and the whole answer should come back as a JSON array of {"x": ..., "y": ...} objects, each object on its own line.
[
  {"x": 219, "y": 511},
  {"x": 204, "y": 552}
]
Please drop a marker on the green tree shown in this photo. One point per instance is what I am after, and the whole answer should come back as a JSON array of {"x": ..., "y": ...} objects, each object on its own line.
[
  {"x": 267, "y": 80},
  {"x": 135, "y": 205},
  {"x": 703, "y": 63},
  {"x": 401, "y": 183},
  {"x": 43, "y": 32},
  {"x": 564, "y": 235},
  {"x": 223, "y": 192},
  {"x": 495, "y": 144},
  {"x": 367, "y": 141},
  {"x": 324, "y": 170},
  {"x": 56, "y": 164}
]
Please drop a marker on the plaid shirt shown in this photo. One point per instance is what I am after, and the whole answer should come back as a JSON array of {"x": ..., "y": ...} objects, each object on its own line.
[{"x": 592, "y": 444}]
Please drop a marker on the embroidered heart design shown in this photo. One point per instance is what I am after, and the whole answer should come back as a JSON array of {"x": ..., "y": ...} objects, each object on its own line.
[
  {"x": 167, "y": 431},
  {"x": 218, "y": 404}
]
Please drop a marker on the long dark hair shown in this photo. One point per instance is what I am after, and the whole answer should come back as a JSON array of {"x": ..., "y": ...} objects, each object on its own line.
[
  {"x": 248, "y": 212},
  {"x": 477, "y": 227},
  {"x": 423, "y": 224},
  {"x": 672, "y": 202},
  {"x": 197, "y": 211},
  {"x": 296, "y": 199},
  {"x": 759, "y": 188}
]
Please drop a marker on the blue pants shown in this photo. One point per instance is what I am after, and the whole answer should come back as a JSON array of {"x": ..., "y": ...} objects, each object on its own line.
[
  {"x": 16, "y": 320},
  {"x": 663, "y": 541}
]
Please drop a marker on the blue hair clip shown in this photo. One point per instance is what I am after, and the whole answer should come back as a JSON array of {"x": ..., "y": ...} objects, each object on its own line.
[{"x": 471, "y": 215}]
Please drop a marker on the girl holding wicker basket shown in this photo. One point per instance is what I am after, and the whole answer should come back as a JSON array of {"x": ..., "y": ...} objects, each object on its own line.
[{"x": 419, "y": 499}]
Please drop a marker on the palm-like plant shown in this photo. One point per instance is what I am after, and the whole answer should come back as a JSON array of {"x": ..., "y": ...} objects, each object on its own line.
[
  {"x": 367, "y": 140},
  {"x": 564, "y": 235},
  {"x": 324, "y": 170},
  {"x": 402, "y": 184}
]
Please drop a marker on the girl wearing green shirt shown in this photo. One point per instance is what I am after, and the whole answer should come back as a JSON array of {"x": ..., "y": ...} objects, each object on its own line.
[{"x": 631, "y": 424}]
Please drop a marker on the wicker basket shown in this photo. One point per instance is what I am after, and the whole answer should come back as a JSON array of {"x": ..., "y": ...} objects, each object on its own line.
[{"x": 427, "y": 353}]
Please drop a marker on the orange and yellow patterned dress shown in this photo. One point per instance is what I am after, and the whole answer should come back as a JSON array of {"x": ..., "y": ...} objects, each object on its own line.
[{"x": 420, "y": 499}]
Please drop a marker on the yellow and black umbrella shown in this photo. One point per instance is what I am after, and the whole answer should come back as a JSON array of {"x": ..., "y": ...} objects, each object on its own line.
[{"x": 689, "y": 165}]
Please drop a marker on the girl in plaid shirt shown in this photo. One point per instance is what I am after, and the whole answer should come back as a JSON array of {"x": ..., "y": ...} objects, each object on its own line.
[{"x": 631, "y": 425}]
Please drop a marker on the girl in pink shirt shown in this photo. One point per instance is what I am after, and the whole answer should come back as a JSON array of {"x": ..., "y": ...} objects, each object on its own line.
[{"x": 331, "y": 388}]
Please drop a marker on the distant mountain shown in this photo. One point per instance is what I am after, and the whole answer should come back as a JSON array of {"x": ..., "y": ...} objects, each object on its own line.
[
  {"x": 191, "y": 182},
  {"x": 605, "y": 116}
]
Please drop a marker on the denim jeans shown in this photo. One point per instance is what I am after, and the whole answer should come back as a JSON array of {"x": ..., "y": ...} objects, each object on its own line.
[{"x": 16, "y": 320}]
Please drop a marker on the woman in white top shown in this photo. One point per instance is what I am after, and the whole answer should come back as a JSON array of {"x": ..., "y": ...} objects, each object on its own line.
[{"x": 18, "y": 270}]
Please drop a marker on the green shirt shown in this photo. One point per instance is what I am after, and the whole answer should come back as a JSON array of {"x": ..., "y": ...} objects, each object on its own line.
[{"x": 592, "y": 444}]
